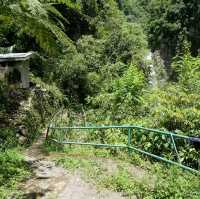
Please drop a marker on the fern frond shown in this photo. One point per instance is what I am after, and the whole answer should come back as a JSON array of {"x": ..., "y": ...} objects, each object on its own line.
[
  {"x": 33, "y": 18},
  {"x": 34, "y": 7},
  {"x": 47, "y": 34},
  {"x": 68, "y": 3},
  {"x": 52, "y": 10},
  {"x": 59, "y": 34}
]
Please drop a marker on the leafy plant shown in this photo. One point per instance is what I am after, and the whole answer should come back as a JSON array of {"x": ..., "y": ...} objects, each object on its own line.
[
  {"x": 34, "y": 19},
  {"x": 13, "y": 170}
]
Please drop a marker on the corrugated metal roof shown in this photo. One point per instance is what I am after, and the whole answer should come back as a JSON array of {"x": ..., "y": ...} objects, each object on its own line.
[{"x": 15, "y": 57}]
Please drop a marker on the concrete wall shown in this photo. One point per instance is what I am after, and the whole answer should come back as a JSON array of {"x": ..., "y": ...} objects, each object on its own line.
[{"x": 22, "y": 67}]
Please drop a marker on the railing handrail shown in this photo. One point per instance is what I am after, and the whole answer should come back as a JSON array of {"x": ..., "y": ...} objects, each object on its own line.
[
  {"x": 128, "y": 145},
  {"x": 122, "y": 127}
]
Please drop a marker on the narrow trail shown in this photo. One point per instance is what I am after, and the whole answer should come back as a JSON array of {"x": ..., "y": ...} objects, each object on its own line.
[{"x": 50, "y": 181}]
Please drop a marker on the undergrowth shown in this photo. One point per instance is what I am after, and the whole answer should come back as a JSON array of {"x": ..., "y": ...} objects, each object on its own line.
[
  {"x": 13, "y": 170},
  {"x": 145, "y": 181}
]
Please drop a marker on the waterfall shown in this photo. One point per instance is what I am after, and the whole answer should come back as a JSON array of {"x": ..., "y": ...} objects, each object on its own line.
[
  {"x": 157, "y": 72},
  {"x": 152, "y": 75},
  {"x": 5, "y": 50},
  {"x": 11, "y": 48}
]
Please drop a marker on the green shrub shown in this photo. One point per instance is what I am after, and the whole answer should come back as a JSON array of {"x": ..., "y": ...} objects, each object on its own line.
[
  {"x": 8, "y": 138},
  {"x": 12, "y": 171}
]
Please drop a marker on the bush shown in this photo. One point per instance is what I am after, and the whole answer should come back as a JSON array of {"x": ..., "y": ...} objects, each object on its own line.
[
  {"x": 125, "y": 45},
  {"x": 119, "y": 96},
  {"x": 13, "y": 170}
]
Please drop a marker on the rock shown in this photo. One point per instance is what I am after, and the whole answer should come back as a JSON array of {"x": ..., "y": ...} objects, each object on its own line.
[
  {"x": 30, "y": 160},
  {"x": 34, "y": 195},
  {"x": 43, "y": 175},
  {"x": 22, "y": 140}
]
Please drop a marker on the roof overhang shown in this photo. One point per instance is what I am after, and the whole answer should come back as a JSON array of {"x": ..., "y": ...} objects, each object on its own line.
[{"x": 12, "y": 57}]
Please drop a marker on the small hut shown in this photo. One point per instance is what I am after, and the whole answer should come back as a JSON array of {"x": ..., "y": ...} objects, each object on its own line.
[{"x": 15, "y": 68}]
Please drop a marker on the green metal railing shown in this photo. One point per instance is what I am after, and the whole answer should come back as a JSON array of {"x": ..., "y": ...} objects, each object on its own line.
[{"x": 129, "y": 144}]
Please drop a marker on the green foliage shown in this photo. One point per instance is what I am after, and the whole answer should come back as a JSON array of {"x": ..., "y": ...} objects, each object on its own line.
[
  {"x": 91, "y": 49},
  {"x": 136, "y": 11},
  {"x": 71, "y": 76},
  {"x": 131, "y": 83},
  {"x": 12, "y": 171},
  {"x": 185, "y": 186},
  {"x": 109, "y": 18},
  {"x": 24, "y": 112},
  {"x": 157, "y": 182},
  {"x": 126, "y": 44},
  {"x": 170, "y": 22},
  {"x": 105, "y": 66},
  {"x": 45, "y": 101},
  {"x": 8, "y": 138},
  {"x": 175, "y": 106},
  {"x": 187, "y": 68},
  {"x": 33, "y": 19},
  {"x": 54, "y": 93},
  {"x": 90, "y": 7},
  {"x": 3, "y": 88},
  {"x": 73, "y": 164},
  {"x": 69, "y": 3},
  {"x": 170, "y": 107},
  {"x": 120, "y": 95}
]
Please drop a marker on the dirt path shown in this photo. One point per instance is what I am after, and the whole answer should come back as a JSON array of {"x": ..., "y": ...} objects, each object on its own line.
[{"x": 53, "y": 182}]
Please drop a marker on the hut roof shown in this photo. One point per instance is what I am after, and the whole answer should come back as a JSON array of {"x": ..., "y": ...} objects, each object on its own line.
[{"x": 10, "y": 57}]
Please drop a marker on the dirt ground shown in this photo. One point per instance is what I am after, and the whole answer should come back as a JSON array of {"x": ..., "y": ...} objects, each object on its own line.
[{"x": 50, "y": 181}]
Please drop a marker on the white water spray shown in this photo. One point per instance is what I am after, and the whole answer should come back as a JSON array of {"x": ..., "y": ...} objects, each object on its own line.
[{"x": 157, "y": 75}]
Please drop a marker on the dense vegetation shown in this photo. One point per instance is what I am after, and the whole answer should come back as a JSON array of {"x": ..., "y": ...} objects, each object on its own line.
[{"x": 92, "y": 55}]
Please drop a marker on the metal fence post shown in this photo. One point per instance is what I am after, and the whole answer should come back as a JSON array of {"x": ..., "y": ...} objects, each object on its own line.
[
  {"x": 175, "y": 148},
  {"x": 129, "y": 140},
  {"x": 47, "y": 132},
  {"x": 62, "y": 114}
]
